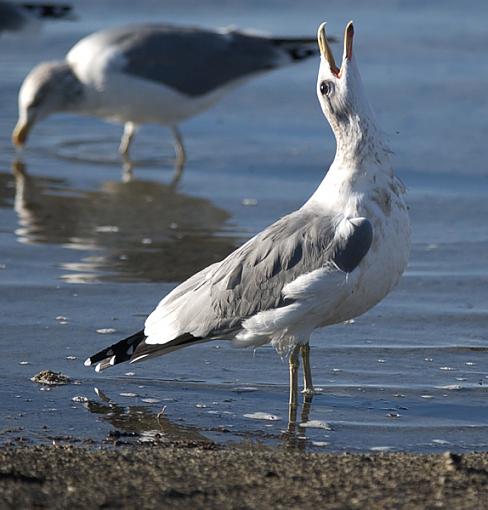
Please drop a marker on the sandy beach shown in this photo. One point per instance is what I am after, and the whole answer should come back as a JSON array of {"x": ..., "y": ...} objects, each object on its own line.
[{"x": 189, "y": 475}]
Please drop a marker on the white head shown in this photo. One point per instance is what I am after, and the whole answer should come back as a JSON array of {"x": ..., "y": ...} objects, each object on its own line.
[
  {"x": 341, "y": 94},
  {"x": 49, "y": 88}
]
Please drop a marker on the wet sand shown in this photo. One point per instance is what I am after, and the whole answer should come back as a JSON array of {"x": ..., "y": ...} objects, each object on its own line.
[{"x": 193, "y": 475}]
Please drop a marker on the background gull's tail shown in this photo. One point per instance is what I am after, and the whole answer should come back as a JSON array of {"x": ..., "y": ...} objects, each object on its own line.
[
  {"x": 47, "y": 10},
  {"x": 298, "y": 48}
]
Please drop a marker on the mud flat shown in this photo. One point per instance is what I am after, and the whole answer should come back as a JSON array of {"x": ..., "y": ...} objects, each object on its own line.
[{"x": 191, "y": 475}]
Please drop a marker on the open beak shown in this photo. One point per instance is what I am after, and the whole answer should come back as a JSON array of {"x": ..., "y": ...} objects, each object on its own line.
[
  {"x": 348, "y": 36},
  {"x": 20, "y": 133},
  {"x": 325, "y": 50}
]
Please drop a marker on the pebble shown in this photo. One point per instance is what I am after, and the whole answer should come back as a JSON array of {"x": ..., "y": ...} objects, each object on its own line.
[{"x": 50, "y": 378}]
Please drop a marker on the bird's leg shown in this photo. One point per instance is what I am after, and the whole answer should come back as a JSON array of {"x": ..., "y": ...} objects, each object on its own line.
[
  {"x": 307, "y": 372},
  {"x": 127, "y": 173},
  {"x": 180, "y": 152},
  {"x": 125, "y": 141},
  {"x": 307, "y": 407},
  {"x": 294, "y": 363},
  {"x": 292, "y": 421}
]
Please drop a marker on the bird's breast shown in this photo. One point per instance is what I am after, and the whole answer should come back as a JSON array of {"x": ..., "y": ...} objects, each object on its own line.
[{"x": 381, "y": 268}]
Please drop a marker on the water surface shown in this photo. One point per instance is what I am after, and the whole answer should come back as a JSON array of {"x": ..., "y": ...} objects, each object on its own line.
[{"x": 83, "y": 249}]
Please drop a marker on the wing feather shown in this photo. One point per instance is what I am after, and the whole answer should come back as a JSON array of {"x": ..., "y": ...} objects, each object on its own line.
[{"x": 215, "y": 302}]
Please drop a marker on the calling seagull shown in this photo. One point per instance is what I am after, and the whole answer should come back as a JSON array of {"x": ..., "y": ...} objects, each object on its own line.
[{"x": 328, "y": 262}]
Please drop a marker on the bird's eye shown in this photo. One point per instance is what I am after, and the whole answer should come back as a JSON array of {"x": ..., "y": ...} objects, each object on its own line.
[{"x": 326, "y": 88}]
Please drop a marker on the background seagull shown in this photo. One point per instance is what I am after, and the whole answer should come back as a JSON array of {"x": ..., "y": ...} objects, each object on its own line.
[
  {"x": 150, "y": 74},
  {"x": 323, "y": 264}
]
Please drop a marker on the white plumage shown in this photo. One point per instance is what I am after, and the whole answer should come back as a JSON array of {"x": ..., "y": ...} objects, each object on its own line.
[{"x": 150, "y": 73}]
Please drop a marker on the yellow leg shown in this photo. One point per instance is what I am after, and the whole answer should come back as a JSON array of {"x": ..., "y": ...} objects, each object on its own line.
[
  {"x": 307, "y": 371},
  {"x": 127, "y": 137},
  {"x": 294, "y": 363},
  {"x": 180, "y": 153}
]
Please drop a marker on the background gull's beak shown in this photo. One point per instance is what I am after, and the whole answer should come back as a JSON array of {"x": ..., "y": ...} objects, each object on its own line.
[
  {"x": 20, "y": 133},
  {"x": 325, "y": 50}
]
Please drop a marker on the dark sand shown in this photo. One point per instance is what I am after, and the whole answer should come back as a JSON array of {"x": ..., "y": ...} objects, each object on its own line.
[{"x": 203, "y": 476}]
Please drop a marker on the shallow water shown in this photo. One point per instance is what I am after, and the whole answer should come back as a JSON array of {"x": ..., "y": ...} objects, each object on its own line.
[{"x": 83, "y": 250}]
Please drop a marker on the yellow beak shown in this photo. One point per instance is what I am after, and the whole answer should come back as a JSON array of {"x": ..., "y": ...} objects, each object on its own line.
[
  {"x": 348, "y": 36},
  {"x": 325, "y": 50},
  {"x": 20, "y": 133}
]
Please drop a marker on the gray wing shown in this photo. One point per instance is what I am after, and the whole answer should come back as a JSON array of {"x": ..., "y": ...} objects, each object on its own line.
[
  {"x": 174, "y": 56},
  {"x": 216, "y": 301},
  {"x": 253, "y": 279}
]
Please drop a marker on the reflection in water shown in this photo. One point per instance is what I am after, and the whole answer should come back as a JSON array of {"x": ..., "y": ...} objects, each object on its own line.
[
  {"x": 100, "y": 151},
  {"x": 295, "y": 436},
  {"x": 143, "y": 422},
  {"x": 144, "y": 231}
]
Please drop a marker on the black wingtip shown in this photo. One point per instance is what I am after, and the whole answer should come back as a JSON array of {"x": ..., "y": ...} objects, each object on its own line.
[
  {"x": 116, "y": 353},
  {"x": 48, "y": 10},
  {"x": 297, "y": 48}
]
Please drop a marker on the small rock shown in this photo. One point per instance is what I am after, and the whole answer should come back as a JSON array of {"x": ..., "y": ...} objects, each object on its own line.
[{"x": 51, "y": 378}]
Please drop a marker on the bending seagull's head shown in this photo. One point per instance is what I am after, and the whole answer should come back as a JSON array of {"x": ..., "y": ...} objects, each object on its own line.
[
  {"x": 49, "y": 88},
  {"x": 341, "y": 95}
]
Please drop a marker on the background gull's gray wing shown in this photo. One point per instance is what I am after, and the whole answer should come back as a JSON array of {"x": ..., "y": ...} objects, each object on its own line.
[
  {"x": 167, "y": 54},
  {"x": 215, "y": 302}
]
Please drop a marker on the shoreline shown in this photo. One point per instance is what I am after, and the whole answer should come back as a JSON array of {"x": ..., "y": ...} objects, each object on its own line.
[{"x": 194, "y": 475}]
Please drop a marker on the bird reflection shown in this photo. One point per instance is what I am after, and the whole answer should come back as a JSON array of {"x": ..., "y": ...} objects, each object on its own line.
[
  {"x": 139, "y": 230},
  {"x": 295, "y": 435},
  {"x": 142, "y": 421},
  {"x": 145, "y": 424},
  {"x": 129, "y": 164}
]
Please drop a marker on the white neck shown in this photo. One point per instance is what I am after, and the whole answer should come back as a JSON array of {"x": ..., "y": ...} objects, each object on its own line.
[{"x": 361, "y": 161}]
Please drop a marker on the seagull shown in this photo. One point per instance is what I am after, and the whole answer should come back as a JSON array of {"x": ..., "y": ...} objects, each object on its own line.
[
  {"x": 326, "y": 263},
  {"x": 150, "y": 73}
]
